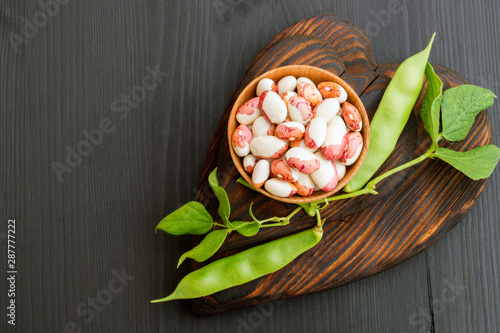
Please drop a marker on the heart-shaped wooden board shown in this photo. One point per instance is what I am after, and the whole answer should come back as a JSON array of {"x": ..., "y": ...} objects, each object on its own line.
[{"x": 364, "y": 235}]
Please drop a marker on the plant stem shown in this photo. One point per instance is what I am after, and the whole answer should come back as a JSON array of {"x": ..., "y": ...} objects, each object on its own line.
[
  {"x": 295, "y": 211},
  {"x": 375, "y": 181},
  {"x": 275, "y": 224},
  {"x": 220, "y": 225},
  {"x": 319, "y": 224}
]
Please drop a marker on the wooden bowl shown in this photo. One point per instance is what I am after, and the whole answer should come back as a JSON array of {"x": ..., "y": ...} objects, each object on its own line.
[{"x": 317, "y": 75}]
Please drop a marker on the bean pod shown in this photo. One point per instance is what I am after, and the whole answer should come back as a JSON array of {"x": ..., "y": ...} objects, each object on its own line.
[
  {"x": 392, "y": 115},
  {"x": 245, "y": 266}
]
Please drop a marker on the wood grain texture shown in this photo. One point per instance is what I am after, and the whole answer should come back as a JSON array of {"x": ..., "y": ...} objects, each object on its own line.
[
  {"x": 361, "y": 238},
  {"x": 71, "y": 235}
]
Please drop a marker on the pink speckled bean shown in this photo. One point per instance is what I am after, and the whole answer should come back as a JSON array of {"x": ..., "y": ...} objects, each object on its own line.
[
  {"x": 273, "y": 107},
  {"x": 308, "y": 91},
  {"x": 335, "y": 142},
  {"x": 352, "y": 117},
  {"x": 302, "y": 160},
  {"x": 315, "y": 134},
  {"x": 262, "y": 126},
  {"x": 242, "y": 136},
  {"x": 353, "y": 150},
  {"x": 291, "y": 131},
  {"x": 268, "y": 147},
  {"x": 280, "y": 188},
  {"x": 326, "y": 176},
  {"x": 265, "y": 85},
  {"x": 287, "y": 83},
  {"x": 300, "y": 109},
  {"x": 283, "y": 171},
  {"x": 261, "y": 173},
  {"x": 248, "y": 112},
  {"x": 249, "y": 163},
  {"x": 305, "y": 185},
  {"x": 327, "y": 109}
]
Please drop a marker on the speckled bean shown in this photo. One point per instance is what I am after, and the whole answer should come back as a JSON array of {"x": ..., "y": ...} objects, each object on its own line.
[
  {"x": 302, "y": 160},
  {"x": 283, "y": 171},
  {"x": 262, "y": 126},
  {"x": 341, "y": 169},
  {"x": 330, "y": 89},
  {"x": 354, "y": 147},
  {"x": 335, "y": 142},
  {"x": 305, "y": 185},
  {"x": 327, "y": 109},
  {"x": 309, "y": 92},
  {"x": 315, "y": 133},
  {"x": 273, "y": 107},
  {"x": 265, "y": 85},
  {"x": 326, "y": 176},
  {"x": 242, "y": 136},
  {"x": 291, "y": 131},
  {"x": 249, "y": 163},
  {"x": 248, "y": 112},
  {"x": 261, "y": 173},
  {"x": 300, "y": 110},
  {"x": 267, "y": 146},
  {"x": 352, "y": 117},
  {"x": 287, "y": 83},
  {"x": 280, "y": 188}
]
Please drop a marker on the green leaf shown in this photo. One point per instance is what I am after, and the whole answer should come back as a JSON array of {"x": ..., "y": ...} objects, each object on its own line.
[
  {"x": 245, "y": 183},
  {"x": 477, "y": 163},
  {"x": 207, "y": 247},
  {"x": 192, "y": 218},
  {"x": 247, "y": 229},
  {"x": 429, "y": 112},
  {"x": 224, "y": 205},
  {"x": 459, "y": 109}
]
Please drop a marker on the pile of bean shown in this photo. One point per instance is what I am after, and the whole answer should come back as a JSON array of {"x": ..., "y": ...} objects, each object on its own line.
[{"x": 296, "y": 137}]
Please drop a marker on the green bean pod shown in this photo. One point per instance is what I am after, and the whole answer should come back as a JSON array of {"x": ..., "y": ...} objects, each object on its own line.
[
  {"x": 392, "y": 115},
  {"x": 244, "y": 266}
]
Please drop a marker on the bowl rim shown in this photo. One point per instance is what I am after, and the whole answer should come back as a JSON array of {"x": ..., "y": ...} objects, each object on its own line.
[{"x": 282, "y": 71}]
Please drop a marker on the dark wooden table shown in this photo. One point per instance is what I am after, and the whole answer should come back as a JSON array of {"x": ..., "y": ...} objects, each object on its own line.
[{"x": 107, "y": 111}]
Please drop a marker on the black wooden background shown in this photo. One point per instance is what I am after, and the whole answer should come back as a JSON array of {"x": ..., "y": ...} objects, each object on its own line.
[{"x": 76, "y": 76}]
